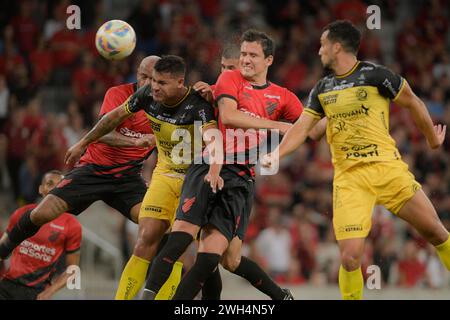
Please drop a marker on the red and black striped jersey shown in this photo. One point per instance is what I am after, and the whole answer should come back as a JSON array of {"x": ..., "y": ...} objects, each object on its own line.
[
  {"x": 119, "y": 160},
  {"x": 33, "y": 263}
]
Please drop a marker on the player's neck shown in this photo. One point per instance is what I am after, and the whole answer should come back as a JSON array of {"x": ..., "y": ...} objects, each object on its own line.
[
  {"x": 173, "y": 101},
  {"x": 258, "y": 80},
  {"x": 344, "y": 64}
]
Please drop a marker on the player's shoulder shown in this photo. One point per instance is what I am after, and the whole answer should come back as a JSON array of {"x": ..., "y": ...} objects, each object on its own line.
[
  {"x": 122, "y": 89},
  {"x": 70, "y": 220},
  {"x": 232, "y": 75},
  {"x": 371, "y": 67}
]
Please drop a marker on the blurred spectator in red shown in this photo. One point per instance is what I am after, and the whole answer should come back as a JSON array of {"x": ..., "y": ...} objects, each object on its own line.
[
  {"x": 65, "y": 45},
  {"x": 41, "y": 61},
  {"x": 411, "y": 269},
  {"x": 25, "y": 28},
  {"x": 353, "y": 10}
]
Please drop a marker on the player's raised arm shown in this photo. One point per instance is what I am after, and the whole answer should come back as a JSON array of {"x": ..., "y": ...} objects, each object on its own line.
[
  {"x": 231, "y": 116},
  {"x": 293, "y": 139},
  {"x": 107, "y": 123},
  {"x": 435, "y": 134}
]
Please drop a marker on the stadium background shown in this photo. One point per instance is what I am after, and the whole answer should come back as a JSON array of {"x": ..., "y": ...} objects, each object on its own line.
[{"x": 52, "y": 82}]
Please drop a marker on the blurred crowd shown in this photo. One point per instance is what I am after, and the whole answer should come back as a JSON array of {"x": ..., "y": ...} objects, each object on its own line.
[{"x": 52, "y": 82}]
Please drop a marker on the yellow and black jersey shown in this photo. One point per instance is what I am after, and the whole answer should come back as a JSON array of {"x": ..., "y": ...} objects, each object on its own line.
[
  {"x": 175, "y": 127},
  {"x": 356, "y": 105}
]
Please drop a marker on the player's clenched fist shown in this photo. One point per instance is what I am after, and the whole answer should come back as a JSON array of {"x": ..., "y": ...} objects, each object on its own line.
[{"x": 74, "y": 153}]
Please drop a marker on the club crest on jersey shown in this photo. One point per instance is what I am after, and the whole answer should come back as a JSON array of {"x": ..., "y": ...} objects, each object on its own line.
[{"x": 361, "y": 94}]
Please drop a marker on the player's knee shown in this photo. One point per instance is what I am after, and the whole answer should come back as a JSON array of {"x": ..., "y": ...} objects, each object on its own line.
[
  {"x": 230, "y": 262},
  {"x": 350, "y": 260}
]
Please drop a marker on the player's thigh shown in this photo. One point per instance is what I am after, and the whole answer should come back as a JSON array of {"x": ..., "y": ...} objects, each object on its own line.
[
  {"x": 420, "y": 213},
  {"x": 396, "y": 185},
  {"x": 80, "y": 188},
  {"x": 196, "y": 198},
  {"x": 127, "y": 196},
  {"x": 161, "y": 199},
  {"x": 353, "y": 203},
  {"x": 232, "y": 256}
]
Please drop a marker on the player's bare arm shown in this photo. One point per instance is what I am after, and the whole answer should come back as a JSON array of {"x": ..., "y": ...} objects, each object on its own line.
[
  {"x": 61, "y": 281},
  {"x": 231, "y": 116},
  {"x": 319, "y": 130},
  {"x": 293, "y": 139},
  {"x": 106, "y": 124},
  {"x": 435, "y": 134},
  {"x": 214, "y": 145},
  {"x": 115, "y": 139}
]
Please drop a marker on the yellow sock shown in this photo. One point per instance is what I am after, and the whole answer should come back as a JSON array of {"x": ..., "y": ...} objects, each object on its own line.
[
  {"x": 443, "y": 251},
  {"x": 132, "y": 279},
  {"x": 351, "y": 284},
  {"x": 167, "y": 291}
]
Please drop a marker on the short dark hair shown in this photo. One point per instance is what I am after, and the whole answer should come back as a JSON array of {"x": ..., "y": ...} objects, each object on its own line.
[
  {"x": 266, "y": 42},
  {"x": 171, "y": 64},
  {"x": 231, "y": 51},
  {"x": 344, "y": 32}
]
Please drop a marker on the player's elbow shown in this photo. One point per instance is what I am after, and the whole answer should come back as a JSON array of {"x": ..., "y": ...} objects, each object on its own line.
[{"x": 226, "y": 118}]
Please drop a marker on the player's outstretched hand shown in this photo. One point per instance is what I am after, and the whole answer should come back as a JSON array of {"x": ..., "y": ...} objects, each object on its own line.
[
  {"x": 440, "y": 131},
  {"x": 74, "y": 153},
  {"x": 205, "y": 90},
  {"x": 215, "y": 181},
  {"x": 146, "y": 141}
]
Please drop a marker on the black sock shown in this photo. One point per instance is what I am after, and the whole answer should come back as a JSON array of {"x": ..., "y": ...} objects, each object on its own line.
[
  {"x": 24, "y": 229},
  {"x": 253, "y": 273},
  {"x": 161, "y": 269},
  {"x": 213, "y": 286},
  {"x": 194, "y": 280}
]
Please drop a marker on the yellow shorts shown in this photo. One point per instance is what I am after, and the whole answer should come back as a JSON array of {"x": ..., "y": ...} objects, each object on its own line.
[
  {"x": 357, "y": 190},
  {"x": 162, "y": 198}
]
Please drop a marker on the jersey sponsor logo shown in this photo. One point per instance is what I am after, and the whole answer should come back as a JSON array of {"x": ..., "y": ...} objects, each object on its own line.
[
  {"x": 156, "y": 126},
  {"x": 361, "y": 151},
  {"x": 329, "y": 99},
  {"x": 63, "y": 183},
  {"x": 166, "y": 119},
  {"x": 36, "y": 251},
  {"x": 361, "y": 94},
  {"x": 56, "y": 226},
  {"x": 153, "y": 209},
  {"x": 363, "y": 111},
  {"x": 187, "y": 204},
  {"x": 130, "y": 133},
  {"x": 271, "y": 96},
  {"x": 366, "y": 69},
  {"x": 351, "y": 228},
  {"x": 344, "y": 86}
]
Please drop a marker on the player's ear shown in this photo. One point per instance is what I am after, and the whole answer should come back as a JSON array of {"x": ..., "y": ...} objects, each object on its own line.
[
  {"x": 41, "y": 190},
  {"x": 269, "y": 60},
  {"x": 181, "y": 82}
]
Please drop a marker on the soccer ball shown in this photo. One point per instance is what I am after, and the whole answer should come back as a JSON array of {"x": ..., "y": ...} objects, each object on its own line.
[{"x": 115, "y": 40}]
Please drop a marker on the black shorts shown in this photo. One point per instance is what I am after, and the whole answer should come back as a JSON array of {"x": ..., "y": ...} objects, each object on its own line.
[
  {"x": 10, "y": 290},
  {"x": 82, "y": 186},
  {"x": 228, "y": 210}
]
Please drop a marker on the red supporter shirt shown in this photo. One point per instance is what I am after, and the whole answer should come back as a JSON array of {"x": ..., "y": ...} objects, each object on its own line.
[
  {"x": 33, "y": 262},
  {"x": 269, "y": 102},
  {"x": 114, "y": 159}
]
